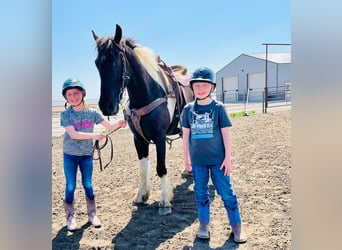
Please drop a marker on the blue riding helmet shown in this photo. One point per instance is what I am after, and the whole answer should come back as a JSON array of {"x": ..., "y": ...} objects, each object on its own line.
[
  {"x": 72, "y": 83},
  {"x": 203, "y": 74}
]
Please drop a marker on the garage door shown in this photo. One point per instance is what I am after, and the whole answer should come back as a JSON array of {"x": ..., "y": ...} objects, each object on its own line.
[
  {"x": 230, "y": 85},
  {"x": 256, "y": 82}
]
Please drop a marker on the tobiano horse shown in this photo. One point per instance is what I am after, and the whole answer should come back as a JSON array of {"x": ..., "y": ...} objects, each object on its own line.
[{"x": 157, "y": 94}]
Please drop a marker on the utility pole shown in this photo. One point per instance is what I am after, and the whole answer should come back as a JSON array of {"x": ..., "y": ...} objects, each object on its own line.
[{"x": 266, "y": 87}]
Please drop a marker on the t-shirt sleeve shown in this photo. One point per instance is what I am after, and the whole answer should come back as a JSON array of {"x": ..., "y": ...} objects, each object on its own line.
[
  {"x": 185, "y": 121},
  {"x": 98, "y": 117},
  {"x": 224, "y": 120},
  {"x": 65, "y": 118}
]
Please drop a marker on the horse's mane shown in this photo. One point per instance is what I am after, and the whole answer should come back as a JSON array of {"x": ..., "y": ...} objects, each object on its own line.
[{"x": 147, "y": 57}]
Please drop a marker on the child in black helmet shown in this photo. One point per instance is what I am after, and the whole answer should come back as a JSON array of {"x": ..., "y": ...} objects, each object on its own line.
[
  {"x": 206, "y": 145},
  {"x": 78, "y": 121}
]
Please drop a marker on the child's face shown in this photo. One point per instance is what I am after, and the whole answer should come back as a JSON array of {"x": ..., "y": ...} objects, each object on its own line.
[
  {"x": 74, "y": 96},
  {"x": 201, "y": 89}
]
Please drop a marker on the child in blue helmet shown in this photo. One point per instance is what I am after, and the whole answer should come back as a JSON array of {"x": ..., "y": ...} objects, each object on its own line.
[
  {"x": 207, "y": 151},
  {"x": 78, "y": 121}
]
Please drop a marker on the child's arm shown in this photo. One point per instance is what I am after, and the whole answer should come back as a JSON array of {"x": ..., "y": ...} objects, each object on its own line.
[
  {"x": 78, "y": 135},
  {"x": 115, "y": 125},
  {"x": 227, "y": 163},
  {"x": 187, "y": 162}
]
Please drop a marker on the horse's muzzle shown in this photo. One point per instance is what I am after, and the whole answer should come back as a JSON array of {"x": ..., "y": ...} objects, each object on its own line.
[{"x": 109, "y": 108}]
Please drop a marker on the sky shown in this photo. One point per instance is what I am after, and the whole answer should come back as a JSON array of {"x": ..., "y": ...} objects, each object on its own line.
[{"x": 191, "y": 33}]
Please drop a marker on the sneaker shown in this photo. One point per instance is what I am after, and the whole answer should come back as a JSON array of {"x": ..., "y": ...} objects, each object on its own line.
[
  {"x": 203, "y": 231},
  {"x": 239, "y": 234}
]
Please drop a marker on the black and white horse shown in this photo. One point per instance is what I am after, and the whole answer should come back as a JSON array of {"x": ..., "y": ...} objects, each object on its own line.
[{"x": 154, "y": 101}]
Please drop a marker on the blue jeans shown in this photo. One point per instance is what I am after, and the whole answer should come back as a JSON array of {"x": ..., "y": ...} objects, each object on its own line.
[
  {"x": 71, "y": 164},
  {"x": 223, "y": 188}
]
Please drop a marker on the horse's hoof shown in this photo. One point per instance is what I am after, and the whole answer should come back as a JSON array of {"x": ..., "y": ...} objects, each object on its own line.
[
  {"x": 144, "y": 198},
  {"x": 141, "y": 199},
  {"x": 164, "y": 210}
]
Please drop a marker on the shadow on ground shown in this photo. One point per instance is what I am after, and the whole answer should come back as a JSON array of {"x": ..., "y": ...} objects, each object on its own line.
[{"x": 138, "y": 234}]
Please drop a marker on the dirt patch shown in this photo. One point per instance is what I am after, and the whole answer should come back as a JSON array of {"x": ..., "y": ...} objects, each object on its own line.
[{"x": 261, "y": 155}]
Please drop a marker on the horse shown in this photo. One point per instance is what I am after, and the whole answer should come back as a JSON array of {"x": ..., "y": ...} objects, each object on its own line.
[{"x": 157, "y": 94}]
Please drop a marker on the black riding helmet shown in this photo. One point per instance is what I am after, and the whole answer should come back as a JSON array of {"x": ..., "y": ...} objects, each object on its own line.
[{"x": 203, "y": 74}]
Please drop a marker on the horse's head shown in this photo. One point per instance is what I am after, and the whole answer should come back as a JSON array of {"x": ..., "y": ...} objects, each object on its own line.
[{"x": 111, "y": 64}]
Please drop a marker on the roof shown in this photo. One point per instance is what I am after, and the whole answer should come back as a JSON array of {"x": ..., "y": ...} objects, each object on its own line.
[{"x": 274, "y": 57}]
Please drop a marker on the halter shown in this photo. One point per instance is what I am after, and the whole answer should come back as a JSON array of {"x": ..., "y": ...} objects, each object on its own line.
[{"x": 125, "y": 75}]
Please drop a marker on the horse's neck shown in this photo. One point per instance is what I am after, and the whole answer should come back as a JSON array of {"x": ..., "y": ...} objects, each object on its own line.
[{"x": 142, "y": 88}]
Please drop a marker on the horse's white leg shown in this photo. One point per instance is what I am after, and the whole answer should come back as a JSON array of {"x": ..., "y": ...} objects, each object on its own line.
[
  {"x": 166, "y": 196},
  {"x": 145, "y": 180}
]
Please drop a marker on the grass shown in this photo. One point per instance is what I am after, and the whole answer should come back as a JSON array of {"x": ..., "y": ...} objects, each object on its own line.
[{"x": 242, "y": 113}]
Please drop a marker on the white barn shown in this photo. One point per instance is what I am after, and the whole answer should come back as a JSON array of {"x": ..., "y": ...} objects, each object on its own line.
[{"x": 244, "y": 77}]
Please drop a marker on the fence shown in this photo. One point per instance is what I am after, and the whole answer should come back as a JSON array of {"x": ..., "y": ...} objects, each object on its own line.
[
  {"x": 277, "y": 97},
  {"x": 255, "y": 98}
]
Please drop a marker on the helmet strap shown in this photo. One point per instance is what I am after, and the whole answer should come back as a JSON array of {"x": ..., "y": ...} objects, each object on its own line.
[
  {"x": 74, "y": 106},
  {"x": 203, "y": 97},
  {"x": 206, "y": 96}
]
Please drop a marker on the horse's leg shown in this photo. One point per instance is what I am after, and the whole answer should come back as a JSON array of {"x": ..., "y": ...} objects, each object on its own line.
[
  {"x": 166, "y": 195},
  {"x": 145, "y": 181},
  {"x": 145, "y": 171}
]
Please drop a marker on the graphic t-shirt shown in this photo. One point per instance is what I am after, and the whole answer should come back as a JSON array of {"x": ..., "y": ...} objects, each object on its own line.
[
  {"x": 84, "y": 121},
  {"x": 205, "y": 123}
]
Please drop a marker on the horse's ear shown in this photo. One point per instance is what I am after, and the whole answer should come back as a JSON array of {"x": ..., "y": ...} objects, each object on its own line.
[
  {"x": 95, "y": 36},
  {"x": 118, "y": 34}
]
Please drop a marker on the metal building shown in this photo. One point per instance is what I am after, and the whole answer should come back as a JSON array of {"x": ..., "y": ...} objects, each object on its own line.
[{"x": 244, "y": 78}]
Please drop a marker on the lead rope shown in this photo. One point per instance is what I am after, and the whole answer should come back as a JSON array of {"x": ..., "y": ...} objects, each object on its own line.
[{"x": 99, "y": 147}]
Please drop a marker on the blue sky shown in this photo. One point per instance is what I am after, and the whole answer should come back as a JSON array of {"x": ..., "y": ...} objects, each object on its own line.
[{"x": 192, "y": 33}]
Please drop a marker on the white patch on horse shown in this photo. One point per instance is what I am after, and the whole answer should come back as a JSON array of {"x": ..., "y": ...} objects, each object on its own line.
[
  {"x": 171, "y": 104},
  {"x": 166, "y": 192},
  {"x": 148, "y": 59},
  {"x": 145, "y": 180}
]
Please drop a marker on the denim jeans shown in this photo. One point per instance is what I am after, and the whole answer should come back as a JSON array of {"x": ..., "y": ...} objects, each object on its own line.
[
  {"x": 71, "y": 164},
  {"x": 223, "y": 188}
]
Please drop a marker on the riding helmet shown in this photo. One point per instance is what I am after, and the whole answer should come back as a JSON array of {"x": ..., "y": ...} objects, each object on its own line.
[
  {"x": 72, "y": 83},
  {"x": 203, "y": 74}
]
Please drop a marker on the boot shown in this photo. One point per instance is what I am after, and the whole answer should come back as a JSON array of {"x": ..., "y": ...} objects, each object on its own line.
[
  {"x": 70, "y": 219},
  {"x": 239, "y": 234},
  {"x": 203, "y": 231},
  {"x": 91, "y": 210}
]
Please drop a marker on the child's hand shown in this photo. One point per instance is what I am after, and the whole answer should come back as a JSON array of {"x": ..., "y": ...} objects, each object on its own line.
[
  {"x": 122, "y": 123},
  {"x": 227, "y": 165},
  {"x": 188, "y": 166},
  {"x": 100, "y": 136}
]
